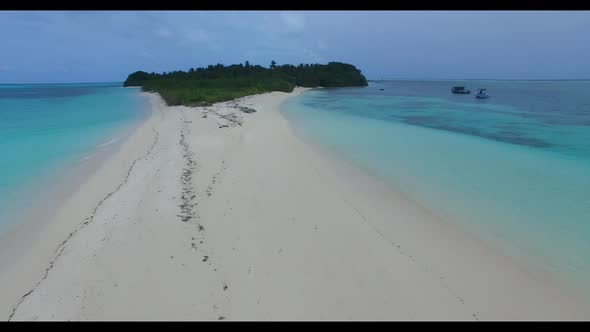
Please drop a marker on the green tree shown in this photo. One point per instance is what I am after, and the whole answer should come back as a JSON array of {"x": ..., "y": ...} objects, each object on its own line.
[{"x": 215, "y": 83}]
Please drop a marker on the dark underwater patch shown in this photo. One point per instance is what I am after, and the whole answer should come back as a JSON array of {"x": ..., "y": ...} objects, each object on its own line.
[
  {"x": 41, "y": 93},
  {"x": 508, "y": 136}
]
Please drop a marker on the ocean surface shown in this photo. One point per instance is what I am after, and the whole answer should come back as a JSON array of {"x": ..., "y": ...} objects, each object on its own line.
[
  {"x": 513, "y": 169},
  {"x": 48, "y": 129}
]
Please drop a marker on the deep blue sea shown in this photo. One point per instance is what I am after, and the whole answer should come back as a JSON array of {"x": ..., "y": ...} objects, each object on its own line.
[
  {"x": 46, "y": 129},
  {"x": 513, "y": 169}
]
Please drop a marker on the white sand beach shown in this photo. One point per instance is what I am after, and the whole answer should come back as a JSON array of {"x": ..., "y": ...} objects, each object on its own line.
[{"x": 210, "y": 213}]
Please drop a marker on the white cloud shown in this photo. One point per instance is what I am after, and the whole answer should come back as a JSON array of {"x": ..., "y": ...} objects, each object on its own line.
[
  {"x": 288, "y": 53},
  {"x": 146, "y": 54},
  {"x": 163, "y": 32},
  {"x": 197, "y": 36},
  {"x": 293, "y": 21},
  {"x": 322, "y": 46},
  {"x": 311, "y": 56}
]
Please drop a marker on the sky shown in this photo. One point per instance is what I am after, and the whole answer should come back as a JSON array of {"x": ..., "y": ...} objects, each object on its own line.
[{"x": 105, "y": 46}]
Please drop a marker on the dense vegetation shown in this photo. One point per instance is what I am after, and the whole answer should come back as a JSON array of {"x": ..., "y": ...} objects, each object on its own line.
[{"x": 218, "y": 83}]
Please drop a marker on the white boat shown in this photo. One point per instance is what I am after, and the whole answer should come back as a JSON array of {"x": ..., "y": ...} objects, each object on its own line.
[{"x": 481, "y": 94}]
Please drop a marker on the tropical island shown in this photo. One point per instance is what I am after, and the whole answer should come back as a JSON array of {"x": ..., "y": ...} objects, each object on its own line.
[{"x": 217, "y": 83}]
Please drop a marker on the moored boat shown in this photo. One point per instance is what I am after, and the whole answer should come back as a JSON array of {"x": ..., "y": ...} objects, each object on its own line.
[
  {"x": 460, "y": 90},
  {"x": 482, "y": 94}
]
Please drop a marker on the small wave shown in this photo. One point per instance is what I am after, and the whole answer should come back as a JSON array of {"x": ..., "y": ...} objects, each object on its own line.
[
  {"x": 112, "y": 141},
  {"x": 93, "y": 153},
  {"x": 86, "y": 158}
]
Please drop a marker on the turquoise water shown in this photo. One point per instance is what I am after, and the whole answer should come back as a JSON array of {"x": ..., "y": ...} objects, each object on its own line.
[
  {"x": 513, "y": 169},
  {"x": 48, "y": 128}
]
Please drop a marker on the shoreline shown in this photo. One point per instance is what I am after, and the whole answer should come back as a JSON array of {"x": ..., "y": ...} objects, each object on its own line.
[
  {"x": 239, "y": 218},
  {"x": 54, "y": 187},
  {"x": 29, "y": 244},
  {"x": 355, "y": 175},
  {"x": 533, "y": 265},
  {"x": 58, "y": 181},
  {"x": 362, "y": 177}
]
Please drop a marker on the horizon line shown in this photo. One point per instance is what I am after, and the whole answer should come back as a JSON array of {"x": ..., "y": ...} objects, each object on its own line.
[
  {"x": 39, "y": 83},
  {"x": 477, "y": 79},
  {"x": 368, "y": 79}
]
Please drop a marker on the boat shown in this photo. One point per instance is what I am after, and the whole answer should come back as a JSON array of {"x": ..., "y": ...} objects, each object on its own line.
[
  {"x": 460, "y": 90},
  {"x": 482, "y": 94}
]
